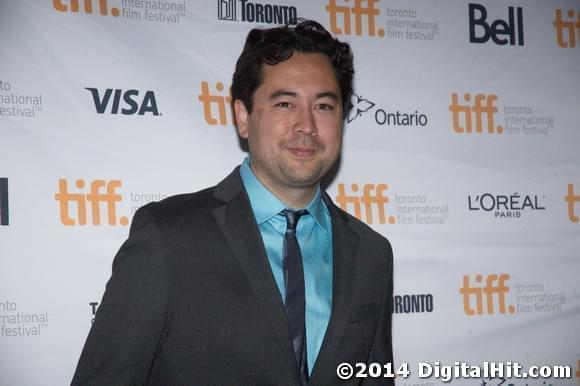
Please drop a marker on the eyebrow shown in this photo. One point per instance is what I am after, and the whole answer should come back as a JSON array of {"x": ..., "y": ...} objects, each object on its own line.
[
  {"x": 325, "y": 94},
  {"x": 279, "y": 93}
]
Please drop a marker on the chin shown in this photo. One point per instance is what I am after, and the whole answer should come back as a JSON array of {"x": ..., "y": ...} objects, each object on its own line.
[{"x": 304, "y": 180}]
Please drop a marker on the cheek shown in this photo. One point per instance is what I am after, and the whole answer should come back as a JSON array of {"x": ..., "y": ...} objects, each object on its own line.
[
  {"x": 262, "y": 143},
  {"x": 266, "y": 124},
  {"x": 332, "y": 137}
]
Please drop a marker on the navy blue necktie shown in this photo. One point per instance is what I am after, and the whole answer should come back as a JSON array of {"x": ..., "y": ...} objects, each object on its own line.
[{"x": 295, "y": 299}]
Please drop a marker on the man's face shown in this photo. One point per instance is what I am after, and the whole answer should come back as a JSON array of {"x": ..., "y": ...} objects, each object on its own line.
[{"x": 294, "y": 131}]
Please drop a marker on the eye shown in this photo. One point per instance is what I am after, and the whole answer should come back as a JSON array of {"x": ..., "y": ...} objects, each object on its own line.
[
  {"x": 325, "y": 107},
  {"x": 284, "y": 105}
]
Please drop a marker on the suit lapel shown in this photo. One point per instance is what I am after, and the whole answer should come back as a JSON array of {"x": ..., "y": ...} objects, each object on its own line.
[
  {"x": 236, "y": 221},
  {"x": 344, "y": 244},
  {"x": 247, "y": 246}
]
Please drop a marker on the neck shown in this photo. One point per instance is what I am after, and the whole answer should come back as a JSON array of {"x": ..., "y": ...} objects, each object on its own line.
[{"x": 295, "y": 198}]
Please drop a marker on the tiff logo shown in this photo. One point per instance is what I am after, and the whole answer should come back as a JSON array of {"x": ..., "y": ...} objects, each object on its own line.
[
  {"x": 227, "y": 10},
  {"x": 94, "y": 198},
  {"x": 87, "y": 5},
  {"x": 572, "y": 199},
  {"x": 132, "y": 105},
  {"x": 211, "y": 102},
  {"x": 372, "y": 197},
  {"x": 462, "y": 114},
  {"x": 494, "y": 285},
  {"x": 498, "y": 31},
  {"x": 4, "y": 217},
  {"x": 369, "y": 11},
  {"x": 570, "y": 26}
]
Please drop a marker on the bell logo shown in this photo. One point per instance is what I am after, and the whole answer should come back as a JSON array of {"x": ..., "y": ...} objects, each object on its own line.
[
  {"x": 461, "y": 114},
  {"x": 373, "y": 197},
  {"x": 147, "y": 105},
  {"x": 369, "y": 11},
  {"x": 221, "y": 102},
  {"x": 566, "y": 30},
  {"x": 94, "y": 198},
  {"x": 572, "y": 199},
  {"x": 73, "y": 6},
  {"x": 494, "y": 285},
  {"x": 513, "y": 28},
  {"x": 4, "y": 218}
]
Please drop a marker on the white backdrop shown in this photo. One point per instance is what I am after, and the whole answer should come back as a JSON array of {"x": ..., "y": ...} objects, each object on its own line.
[{"x": 462, "y": 149}]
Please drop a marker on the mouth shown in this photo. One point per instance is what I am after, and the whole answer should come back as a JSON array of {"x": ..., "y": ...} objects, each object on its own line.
[{"x": 302, "y": 152}]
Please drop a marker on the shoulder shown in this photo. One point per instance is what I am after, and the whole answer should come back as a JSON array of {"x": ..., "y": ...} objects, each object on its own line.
[
  {"x": 190, "y": 210},
  {"x": 366, "y": 232},
  {"x": 175, "y": 211},
  {"x": 367, "y": 236}
]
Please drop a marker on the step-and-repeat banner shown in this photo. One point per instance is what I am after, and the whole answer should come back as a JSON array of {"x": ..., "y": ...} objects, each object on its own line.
[{"x": 463, "y": 149}]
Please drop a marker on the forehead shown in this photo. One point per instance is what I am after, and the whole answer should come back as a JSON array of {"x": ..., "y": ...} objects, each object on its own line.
[{"x": 301, "y": 72}]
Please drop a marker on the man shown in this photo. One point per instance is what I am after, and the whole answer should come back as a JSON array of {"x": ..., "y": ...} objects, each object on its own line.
[{"x": 260, "y": 280}]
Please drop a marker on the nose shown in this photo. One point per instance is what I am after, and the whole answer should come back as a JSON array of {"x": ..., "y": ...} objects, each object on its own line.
[{"x": 306, "y": 122}]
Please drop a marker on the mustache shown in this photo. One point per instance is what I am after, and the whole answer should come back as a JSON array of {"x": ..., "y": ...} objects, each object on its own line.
[{"x": 304, "y": 142}]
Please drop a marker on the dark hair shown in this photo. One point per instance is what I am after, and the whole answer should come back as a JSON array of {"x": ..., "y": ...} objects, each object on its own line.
[{"x": 275, "y": 45}]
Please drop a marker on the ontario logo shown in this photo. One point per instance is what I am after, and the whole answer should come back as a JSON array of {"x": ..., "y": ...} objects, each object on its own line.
[
  {"x": 385, "y": 117},
  {"x": 253, "y": 12}
]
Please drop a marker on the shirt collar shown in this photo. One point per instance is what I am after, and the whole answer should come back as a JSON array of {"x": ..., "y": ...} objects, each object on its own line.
[{"x": 266, "y": 205}]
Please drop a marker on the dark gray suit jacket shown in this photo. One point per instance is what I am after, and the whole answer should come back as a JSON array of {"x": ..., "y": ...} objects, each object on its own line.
[{"x": 192, "y": 300}]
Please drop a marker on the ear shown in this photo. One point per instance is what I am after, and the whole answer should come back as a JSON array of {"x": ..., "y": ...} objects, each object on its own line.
[{"x": 241, "y": 118}]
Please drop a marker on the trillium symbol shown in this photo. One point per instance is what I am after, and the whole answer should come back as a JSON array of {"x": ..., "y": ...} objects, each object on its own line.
[{"x": 360, "y": 105}]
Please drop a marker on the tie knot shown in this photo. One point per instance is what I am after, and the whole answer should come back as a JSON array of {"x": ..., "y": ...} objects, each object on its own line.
[{"x": 292, "y": 217}]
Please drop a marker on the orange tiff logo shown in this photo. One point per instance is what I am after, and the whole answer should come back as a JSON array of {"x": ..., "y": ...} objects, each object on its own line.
[
  {"x": 463, "y": 115},
  {"x": 73, "y": 206},
  {"x": 373, "y": 199},
  {"x": 495, "y": 291},
  {"x": 73, "y": 5},
  {"x": 572, "y": 199},
  {"x": 566, "y": 30},
  {"x": 354, "y": 14},
  {"x": 212, "y": 101}
]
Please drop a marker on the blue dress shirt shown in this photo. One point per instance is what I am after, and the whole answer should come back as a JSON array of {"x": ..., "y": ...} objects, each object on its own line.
[{"x": 314, "y": 234}]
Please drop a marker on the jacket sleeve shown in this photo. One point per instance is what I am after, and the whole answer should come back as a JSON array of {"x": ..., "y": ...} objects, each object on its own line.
[
  {"x": 382, "y": 350},
  {"x": 130, "y": 320}
]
